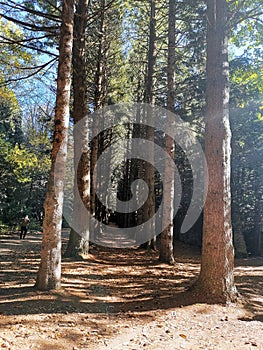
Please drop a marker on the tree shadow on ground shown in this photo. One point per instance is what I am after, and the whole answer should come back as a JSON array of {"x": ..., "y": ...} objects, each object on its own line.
[
  {"x": 249, "y": 281},
  {"x": 112, "y": 282}
]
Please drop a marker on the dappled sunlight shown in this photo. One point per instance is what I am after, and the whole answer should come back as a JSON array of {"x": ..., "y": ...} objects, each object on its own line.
[
  {"x": 249, "y": 281},
  {"x": 112, "y": 289}
]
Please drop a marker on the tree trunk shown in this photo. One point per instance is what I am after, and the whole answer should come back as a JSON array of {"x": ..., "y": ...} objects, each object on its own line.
[
  {"x": 258, "y": 218},
  {"x": 166, "y": 247},
  {"x": 49, "y": 273},
  {"x": 216, "y": 279},
  {"x": 149, "y": 86},
  {"x": 238, "y": 231},
  {"x": 78, "y": 245},
  {"x": 148, "y": 210},
  {"x": 99, "y": 98}
]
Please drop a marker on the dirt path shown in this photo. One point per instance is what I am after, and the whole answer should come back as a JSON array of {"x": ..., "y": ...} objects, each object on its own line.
[{"x": 122, "y": 299}]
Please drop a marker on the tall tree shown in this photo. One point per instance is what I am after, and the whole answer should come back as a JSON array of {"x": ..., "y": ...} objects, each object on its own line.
[
  {"x": 49, "y": 273},
  {"x": 147, "y": 170},
  {"x": 216, "y": 278},
  {"x": 107, "y": 81},
  {"x": 166, "y": 248},
  {"x": 78, "y": 245},
  {"x": 99, "y": 101}
]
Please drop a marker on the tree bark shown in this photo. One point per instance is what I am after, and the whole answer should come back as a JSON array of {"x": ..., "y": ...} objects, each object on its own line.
[
  {"x": 49, "y": 273},
  {"x": 149, "y": 86},
  {"x": 99, "y": 100},
  {"x": 148, "y": 210},
  {"x": 258, "y": 218},
  {"x": 216, "y": 279},
  {"x": 78, "y": 245},
  {"x": 238, "y": 231},
  {"x": 166, "y": 247}
]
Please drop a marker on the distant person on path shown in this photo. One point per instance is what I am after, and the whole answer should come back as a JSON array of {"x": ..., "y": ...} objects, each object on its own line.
[{"x": 24, "y": 222}]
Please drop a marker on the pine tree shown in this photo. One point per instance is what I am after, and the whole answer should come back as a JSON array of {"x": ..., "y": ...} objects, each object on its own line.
[
  {"x": 166, "y": 247},
  {"x": 78, "y": 245},
  {"x": 216, "y": 279},
  {"x": 49, "y": 273}
]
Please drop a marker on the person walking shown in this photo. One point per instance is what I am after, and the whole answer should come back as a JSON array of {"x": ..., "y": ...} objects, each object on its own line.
[{"x": 24, "y": 222}]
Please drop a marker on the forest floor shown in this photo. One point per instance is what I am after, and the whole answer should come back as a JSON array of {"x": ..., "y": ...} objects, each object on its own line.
[{"x": 122, "y": 300}]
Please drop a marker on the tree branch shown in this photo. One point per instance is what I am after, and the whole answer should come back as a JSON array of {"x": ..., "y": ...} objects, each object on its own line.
[
  {"x": 34, "y": 12},
  {"x": 14, "y": 42},
  {"x": 39, "y": 68},
  {"x": 253, "y": 14},
  {"x": 26, "y": 40},
  {"x": 29, "y": 26}
]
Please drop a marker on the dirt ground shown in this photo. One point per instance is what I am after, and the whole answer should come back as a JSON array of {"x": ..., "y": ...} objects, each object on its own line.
[{"x": 122, "y": 299}]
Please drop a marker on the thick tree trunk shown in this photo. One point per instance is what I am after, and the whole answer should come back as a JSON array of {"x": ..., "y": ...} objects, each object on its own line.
[
  {"x": 78, "y": 245},
  {"x": 166, "y": 247},
  {"x": 216, "y": 277},
  {"x": 49, "y": 273}
]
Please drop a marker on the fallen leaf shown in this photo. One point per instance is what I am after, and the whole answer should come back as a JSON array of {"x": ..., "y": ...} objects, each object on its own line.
[
  {"x": 183, "y": 336},
  {"x": 5, "y": 345}
]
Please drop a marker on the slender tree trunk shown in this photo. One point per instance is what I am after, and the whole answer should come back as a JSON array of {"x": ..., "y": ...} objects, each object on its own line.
[
  {"x": 124, "y": 186},
  {"x": 149, "y": 86},
  {"x": 100, "y": 73},
  {"x": 166, "y": 248},
  {"x": 49, "y": 273},
  {"x": 216, "y": 278},
  {"x": 239, "y": 240},
  {"x": 258, "y": 218},
  {"x": 148, "y": 210},
  {"x": 78, "y": 245},
  {"x": 99, "y": 96}
]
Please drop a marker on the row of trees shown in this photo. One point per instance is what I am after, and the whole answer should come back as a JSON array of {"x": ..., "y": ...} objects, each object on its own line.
[
  {"x": 116, "y": 60},
  {"x": 129, "y": 51}
]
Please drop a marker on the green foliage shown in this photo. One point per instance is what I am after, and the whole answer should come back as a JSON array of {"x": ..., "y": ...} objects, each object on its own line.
[
  {"x": 105, "y": 47},
  {"x": 10, "y": 116},
  {"x": 189, "y": 52},
  {"x": 13, "y": 58},
  {"x": 25, "y": 162},
  {"x": 4, "y": 229},
  {"x": 247, "y": 146},
  {"x": 246, "y": 28}
]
